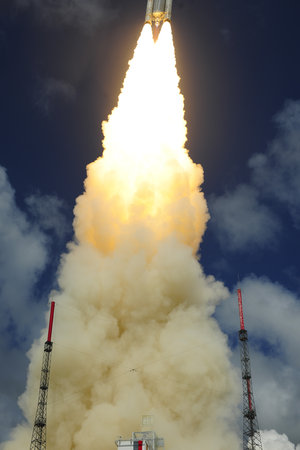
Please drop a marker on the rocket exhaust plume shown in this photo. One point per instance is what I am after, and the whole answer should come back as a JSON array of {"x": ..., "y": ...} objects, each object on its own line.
[{"x": 133, "y": 327}]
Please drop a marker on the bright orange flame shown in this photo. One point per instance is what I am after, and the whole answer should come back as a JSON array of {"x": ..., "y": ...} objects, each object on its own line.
[{"x": 145, "y": 175}]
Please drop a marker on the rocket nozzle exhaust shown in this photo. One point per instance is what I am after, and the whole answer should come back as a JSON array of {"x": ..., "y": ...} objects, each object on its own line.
[{"x": 158, "y": 11}]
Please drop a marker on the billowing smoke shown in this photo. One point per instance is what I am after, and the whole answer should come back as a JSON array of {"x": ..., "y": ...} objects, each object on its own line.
[{"x": 133, "y": 328}]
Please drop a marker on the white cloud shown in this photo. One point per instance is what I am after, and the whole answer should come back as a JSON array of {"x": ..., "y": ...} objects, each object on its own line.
[
  {"x": 241, "y": 221},
  {"x": 85, "y": 14},
  {"x": 277, "y": 172},
  {"x": 271, "y": 440},
  {"x": 276, "y": 390},
  {"x": 272, "y": 317},
  {"x": 23, "y": 257},
  {"x": 12, "y": 380},
  {"x": 245, "y": 218}
]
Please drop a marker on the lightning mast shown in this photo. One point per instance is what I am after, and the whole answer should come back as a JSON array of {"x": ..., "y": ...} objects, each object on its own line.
[
  {"x": 251, "y": 433},
  {"x": 38, "y": 439}
]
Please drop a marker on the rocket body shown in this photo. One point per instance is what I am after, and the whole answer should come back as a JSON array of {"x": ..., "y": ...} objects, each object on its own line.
[{"x": 158, "y": 11}]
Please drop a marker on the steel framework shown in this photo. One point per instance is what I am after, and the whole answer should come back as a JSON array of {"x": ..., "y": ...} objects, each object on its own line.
[
  {"x": 251, "y": 433},
  {"x": 38, "y": 439}
]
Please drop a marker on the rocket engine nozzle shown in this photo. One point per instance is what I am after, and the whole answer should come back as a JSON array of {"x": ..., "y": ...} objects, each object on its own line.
[{"x": 158, "y": 11}]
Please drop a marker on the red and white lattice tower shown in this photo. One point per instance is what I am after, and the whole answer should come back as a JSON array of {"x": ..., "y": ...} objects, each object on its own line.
[
  {"x": 38, "y": 439},
  {"x": 251, "y": 433}
]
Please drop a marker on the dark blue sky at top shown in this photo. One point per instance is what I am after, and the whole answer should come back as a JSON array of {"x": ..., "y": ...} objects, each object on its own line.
[{"x": 239, "y": 64}]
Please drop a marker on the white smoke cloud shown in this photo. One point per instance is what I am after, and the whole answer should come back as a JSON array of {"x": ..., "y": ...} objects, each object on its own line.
[
  {"x": 272, "y": 315},
  {"x": 133, "y": 329}
]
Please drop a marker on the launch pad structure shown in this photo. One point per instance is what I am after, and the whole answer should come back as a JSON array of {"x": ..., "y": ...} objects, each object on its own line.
[
  {"x": 251, "y": 433},
  {"x": 38, "y": 439}
]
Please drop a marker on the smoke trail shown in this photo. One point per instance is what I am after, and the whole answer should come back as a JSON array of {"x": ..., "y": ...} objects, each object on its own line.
[{"x": 134, "y": 333}]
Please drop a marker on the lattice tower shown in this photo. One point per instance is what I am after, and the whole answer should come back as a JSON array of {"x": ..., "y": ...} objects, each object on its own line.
[
  {"x": 38, "y": 439},
  {"x": 251, "y": 433}
]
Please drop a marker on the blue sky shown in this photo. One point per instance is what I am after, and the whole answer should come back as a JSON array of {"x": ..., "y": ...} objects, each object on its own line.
[{"x": 62, "y": 68}]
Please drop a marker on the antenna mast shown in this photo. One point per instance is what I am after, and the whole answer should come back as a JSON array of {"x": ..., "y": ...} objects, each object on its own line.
[
  {"x": 251, "y": 433},
  {"x": 38, "y": 439}
]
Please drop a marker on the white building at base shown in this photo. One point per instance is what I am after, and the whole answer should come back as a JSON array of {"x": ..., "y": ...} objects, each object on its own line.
[{"x": 141, "y": 440}]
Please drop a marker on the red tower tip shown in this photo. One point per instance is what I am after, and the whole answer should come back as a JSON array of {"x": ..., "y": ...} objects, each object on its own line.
[
  {"x": 51, "y": 321},
  {"x": 239, "y": 292}
]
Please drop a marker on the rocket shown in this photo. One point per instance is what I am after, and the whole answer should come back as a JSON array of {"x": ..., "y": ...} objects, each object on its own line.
[{"x": 158, "y": 11}]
